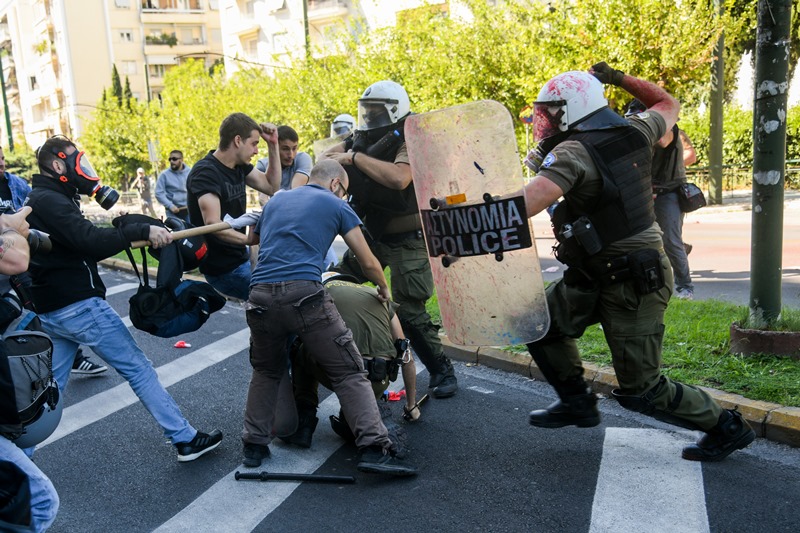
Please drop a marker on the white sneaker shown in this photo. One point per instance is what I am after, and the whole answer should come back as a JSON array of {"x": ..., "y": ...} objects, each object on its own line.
[{"x": 684, "y": 294}]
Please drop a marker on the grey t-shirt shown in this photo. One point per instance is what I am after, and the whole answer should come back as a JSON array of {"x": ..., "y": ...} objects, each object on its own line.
[{"x": 301, "y": 164}]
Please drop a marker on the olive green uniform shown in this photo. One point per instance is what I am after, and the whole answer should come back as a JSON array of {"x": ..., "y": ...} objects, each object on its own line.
[{"x": 633, "y": 324}]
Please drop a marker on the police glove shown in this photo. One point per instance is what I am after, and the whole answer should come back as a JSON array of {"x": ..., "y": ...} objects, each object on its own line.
[
  {"x": 606, "y": 74},
  {"x": 248, "y": 219}
]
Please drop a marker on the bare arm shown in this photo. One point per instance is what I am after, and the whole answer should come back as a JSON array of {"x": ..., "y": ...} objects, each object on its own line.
[
  {"x": 540, "y": 193},
  {"x": 212, "y": 212},
  {"x": 14, "y": 251},
  {"x": 369, "y": 263},
  {"x": 654, "y": 97},
  {"x": 299, "y": 179},
  {"x": 389, "y": 174},
  {"x": 335, "y": 149},
  {"x": 270, "y": 181},
  {"x": 689, "y": 153}
]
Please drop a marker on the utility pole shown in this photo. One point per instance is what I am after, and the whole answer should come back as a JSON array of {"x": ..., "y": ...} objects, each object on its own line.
[
  {"x": 769, "y": 158},
  {"x": 305, "y": 29},
  {"x": 5, "y": 104},
  {"x": 716, "y": 115}
]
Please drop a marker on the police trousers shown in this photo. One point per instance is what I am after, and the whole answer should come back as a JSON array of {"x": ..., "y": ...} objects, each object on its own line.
[{"x": 633, "y": 325}]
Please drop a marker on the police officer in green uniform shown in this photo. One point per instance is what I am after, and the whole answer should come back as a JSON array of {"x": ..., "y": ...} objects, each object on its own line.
[
  {"x": 618, "y": 274},
  {"x": 380, "y": 340},
  {"x": 382, "y": 194}
]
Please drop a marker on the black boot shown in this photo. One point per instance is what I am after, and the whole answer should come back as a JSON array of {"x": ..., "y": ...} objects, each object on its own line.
[
  {"x": 444, "y": 382},
  {"x": 340, "y": 427},
  {"x": 306, "y": 424},
  {"x": 576, "y": 410},
  {"x": 731, "y": 433}
]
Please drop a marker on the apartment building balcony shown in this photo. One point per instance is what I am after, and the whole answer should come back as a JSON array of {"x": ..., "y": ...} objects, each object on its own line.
[
  {"x": 172, "y": 6},
  {"x": 182, "y": 13},
  {"x": 326, "y": 9}
]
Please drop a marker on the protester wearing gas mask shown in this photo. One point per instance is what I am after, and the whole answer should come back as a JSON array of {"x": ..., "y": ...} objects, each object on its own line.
[{"x": 69, "y": 294}]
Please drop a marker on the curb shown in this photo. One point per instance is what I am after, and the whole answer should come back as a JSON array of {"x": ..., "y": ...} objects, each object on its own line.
[{"x": 770, "y": 421}]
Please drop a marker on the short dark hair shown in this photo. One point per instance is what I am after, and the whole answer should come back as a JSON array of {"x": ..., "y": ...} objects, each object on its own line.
[
  {"x": 177, "y": 152},
  {"x": 233, "y": 125},
  {"x": 287, "y": 133},
  {"x": 48, "y": 152}
]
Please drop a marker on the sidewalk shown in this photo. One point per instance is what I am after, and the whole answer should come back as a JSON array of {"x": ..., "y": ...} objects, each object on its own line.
[{"x": 774, "y": 422}]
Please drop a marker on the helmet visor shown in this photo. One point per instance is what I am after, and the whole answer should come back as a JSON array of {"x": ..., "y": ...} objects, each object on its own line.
[
  {"x": 549, "y": 119},
  {"x": 340, "y": 128},
  {"x": 84, "y": 168},
  {"x": 374, "y": 114}
]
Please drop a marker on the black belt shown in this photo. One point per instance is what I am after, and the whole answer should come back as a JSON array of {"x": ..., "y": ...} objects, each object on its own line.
[{"x": 398, "y": 237}]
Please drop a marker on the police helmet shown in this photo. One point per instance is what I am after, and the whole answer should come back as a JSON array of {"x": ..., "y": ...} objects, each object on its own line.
[{"x": 382, "y": 104}]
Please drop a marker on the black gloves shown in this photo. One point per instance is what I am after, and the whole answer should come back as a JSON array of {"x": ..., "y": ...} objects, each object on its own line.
[{"x": 606, "y": 74}]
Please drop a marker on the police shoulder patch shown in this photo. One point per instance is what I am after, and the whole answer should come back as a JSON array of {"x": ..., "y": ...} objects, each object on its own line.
[{"x": 549, "y": 159}]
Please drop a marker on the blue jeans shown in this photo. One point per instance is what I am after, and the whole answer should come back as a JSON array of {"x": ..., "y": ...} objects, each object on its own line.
[
  {"x": 670, "y": 219},
  {"x": 44, "y": 498},
  {"x": 235, "y": 283},
  {"x": 94, "y": 323}
]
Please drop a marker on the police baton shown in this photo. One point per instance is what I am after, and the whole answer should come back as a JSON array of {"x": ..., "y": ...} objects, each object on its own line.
[
  {"x": 274, "y": 476},
  {"x": 191, "y": 232}
]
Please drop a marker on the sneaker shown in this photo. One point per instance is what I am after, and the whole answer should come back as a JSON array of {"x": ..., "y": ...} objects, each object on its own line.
[
  {"x": 684, "y": 294},
  {"x": 201, "y": 444},
  {"x": 82, "y": 365},
  {"x": 376, "y": 460},
  {"x": 254, "y": 454}
]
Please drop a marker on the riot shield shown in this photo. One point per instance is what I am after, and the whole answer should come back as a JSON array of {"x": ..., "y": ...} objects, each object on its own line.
[
  {"x": 483, "y": 256},
  {"x": 323, "y": 144}
]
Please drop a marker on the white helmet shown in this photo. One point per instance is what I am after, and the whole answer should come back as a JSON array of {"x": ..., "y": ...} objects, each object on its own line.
[
  {"x": 566, "y": 100},
  {"x": 331, "y": 275},
  {"x": 382, "y": 104},
  {"x": 342, "y": 125}
]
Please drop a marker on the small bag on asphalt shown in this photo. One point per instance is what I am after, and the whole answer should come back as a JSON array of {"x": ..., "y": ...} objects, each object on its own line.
[{"x": 690, "y": 197}]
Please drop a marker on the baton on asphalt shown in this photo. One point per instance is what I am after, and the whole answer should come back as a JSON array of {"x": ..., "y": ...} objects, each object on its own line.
[
  {"x": 407, "y": 412},
  {"x": 274, "y": 476},
  {"x": 191, "y": 232}
]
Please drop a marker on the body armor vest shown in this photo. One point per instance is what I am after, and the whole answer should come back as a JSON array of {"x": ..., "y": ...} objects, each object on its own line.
[
  {"x": 373, "y": 202},
  {"x": 625, "y": 205}
]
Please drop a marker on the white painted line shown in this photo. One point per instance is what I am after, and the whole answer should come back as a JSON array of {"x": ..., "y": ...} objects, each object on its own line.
[
  {"x": 481, "y": 390},
  {"x": 255, "y": 500},
  {"x": 122, "y": 287},
  {"x": 644, "y": 485},
  {"x": 108, "y": 402}
]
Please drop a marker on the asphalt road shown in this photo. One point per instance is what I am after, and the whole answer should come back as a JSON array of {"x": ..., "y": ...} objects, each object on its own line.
[{"x": 481, "y": 466}]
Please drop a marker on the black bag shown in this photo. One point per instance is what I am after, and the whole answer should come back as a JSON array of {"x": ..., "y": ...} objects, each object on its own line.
[
  {"x": 690, "y": 197},
  {"x": 173, "y": 306}
]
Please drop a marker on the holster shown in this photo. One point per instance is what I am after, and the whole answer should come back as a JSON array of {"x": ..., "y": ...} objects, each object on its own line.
[{"x": 642, "y": 266}]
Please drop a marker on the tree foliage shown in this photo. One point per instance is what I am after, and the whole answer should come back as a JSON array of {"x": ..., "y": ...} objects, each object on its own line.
[{"x": 477, "y": 51}]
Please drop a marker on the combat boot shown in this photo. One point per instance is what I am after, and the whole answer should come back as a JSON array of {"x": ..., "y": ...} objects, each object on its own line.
[
  {"x": 576, "y": 410},
  {"x": 444, "y": 382},
  {"x": 731, "y": 433},
  {"x": 340, "y": 427},
  {"x": 306, "y": 424}
]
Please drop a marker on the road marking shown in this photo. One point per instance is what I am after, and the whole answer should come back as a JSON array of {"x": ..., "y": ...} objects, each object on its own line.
[
  {"x": 255, "y": 500},
  {"x": 122, "y": 287},
  {"x": 481, "y": 390},
  {"x": 110, "y": 401},
  {"x": 644, "y": 485}
]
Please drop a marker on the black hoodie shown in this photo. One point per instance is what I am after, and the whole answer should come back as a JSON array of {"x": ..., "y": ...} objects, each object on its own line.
[{"x": 68, "y": 273}]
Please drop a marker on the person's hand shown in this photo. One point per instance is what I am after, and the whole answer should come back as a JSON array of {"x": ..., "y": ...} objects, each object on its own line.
[
  {"x": 159, "y": 237},
  {"x": 248, "y": 219},
  {"x": 603, "y": 72},
  {"x": 175, "y": 209},
  {"x": 343, "y": 158},
  {"x": 383, "y": 294},
  {"x": 17, "y": 221},
  {"x": 269, "y": 132},
  {"x": 411, "y": 412}
]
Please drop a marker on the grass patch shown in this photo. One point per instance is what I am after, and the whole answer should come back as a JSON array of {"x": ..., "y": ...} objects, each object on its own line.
[{"x": 789, "y": 320}]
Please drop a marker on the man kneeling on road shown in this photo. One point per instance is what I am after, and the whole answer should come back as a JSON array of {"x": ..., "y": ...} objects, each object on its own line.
[
  {"x": 70, "y": 296},
  {"x": 380, "y": 339},
  {"x": 287, "y": 298}
]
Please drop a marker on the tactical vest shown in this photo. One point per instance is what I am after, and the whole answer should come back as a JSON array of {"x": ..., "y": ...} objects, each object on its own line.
[
  {"x": 373, "y": 202},
  {"x": 625, "y": 205}
]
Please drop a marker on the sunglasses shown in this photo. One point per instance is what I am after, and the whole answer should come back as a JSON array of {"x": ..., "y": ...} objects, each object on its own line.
[
  {"x": 175, "y": 158},
  {"x": 346, "y": 195}
]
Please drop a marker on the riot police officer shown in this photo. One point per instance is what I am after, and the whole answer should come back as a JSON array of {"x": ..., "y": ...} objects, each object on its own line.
[
  {"x": 382, "y": 194},
  {"x": 618, "y": 274}
]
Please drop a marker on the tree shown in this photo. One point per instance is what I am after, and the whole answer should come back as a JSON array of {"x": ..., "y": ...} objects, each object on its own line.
[{"x": 116, "y": 85}]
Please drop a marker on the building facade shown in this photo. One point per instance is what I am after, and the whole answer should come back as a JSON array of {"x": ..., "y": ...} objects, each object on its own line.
[{"x": 58, "y": 55}]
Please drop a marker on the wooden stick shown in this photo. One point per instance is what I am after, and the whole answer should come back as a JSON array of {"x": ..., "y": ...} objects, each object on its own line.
[{"x": 191, "y": 232}]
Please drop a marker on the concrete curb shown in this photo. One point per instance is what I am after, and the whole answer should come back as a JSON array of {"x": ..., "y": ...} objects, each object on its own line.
[{"x": 771, "y": 421}]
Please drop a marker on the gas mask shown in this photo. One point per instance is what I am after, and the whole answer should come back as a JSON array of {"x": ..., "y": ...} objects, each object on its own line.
[{"x": 81, "y": 175}]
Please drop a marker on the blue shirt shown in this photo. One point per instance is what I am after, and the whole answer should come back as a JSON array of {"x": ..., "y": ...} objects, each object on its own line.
[
  {"x": 296, "y": 229},
  {"x": 302, "y": 164}
]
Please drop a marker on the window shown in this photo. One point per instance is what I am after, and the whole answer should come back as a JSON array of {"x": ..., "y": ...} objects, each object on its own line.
[
  {"x": 129, "y": 67},
  {"x": 33, "y": 83},
  {"x": 122, "y": 3},
  {"x": 126, "y": 36},
  {"x": 213, "y": 4},
  {"x": 280, "y": 42},
  {"x": 157, "y": 71},
  {"x": 251, "y": 48}
]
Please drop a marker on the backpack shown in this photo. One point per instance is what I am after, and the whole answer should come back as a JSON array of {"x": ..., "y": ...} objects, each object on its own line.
[
  {"x": 29, "y": 396},
  {"x": 174, "y": 306}
]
